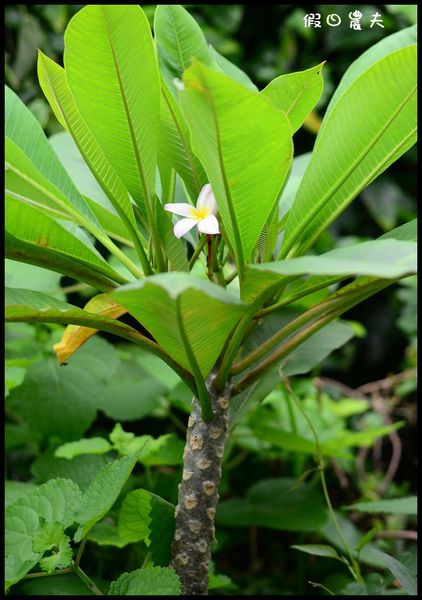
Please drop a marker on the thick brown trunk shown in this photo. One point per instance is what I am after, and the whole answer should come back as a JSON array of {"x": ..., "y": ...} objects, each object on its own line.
[{"x": 198, "y": 493}]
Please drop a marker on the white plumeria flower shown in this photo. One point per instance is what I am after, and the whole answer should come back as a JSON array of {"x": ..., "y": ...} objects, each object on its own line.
[{"x": 203, "y": 215}]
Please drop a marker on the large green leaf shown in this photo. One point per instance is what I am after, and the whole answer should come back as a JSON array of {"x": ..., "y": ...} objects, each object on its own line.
[
  {"x": 395, "y": 506},
  {"x": 174, "y": 305},
  {"x": 152, "y": 581},
  {"x": 49, "y": 259},
  {"x": 296, "y": 93},
  {"x": 299, "y": 287},
  {"x": 395, "y": 41},
  {"x": 55, "y": 501},
  {"x": 405, "y": 576},
  {"x": 53, "y": 81},
  {"x": 102, "y": 493},
  {"x": 381, "y": 258},
  {"x": 26, "y": 133},
  {"x": 57, "y": 402},
  {"x": 245, "y": 146},
  {"x": 174, "y": 145},
  {"x": 179, "y": 39},
  {"x": 33, "y": 226},
  {"x": 278, "y": 504},
  {"x": 119, "y": 101},
  {"x": 365, "y": 132},
  {"x": 146, "y": 516}
]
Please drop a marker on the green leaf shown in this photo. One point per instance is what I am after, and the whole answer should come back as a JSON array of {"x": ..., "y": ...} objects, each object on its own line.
[
  {"x": 352, "y": 535},
  {"x": 26, "y": 133},
  {"x": 39, "y": 256},
  {"x": 367, "y": 131},
  {"x": 281, "y": 504},
  {"x": 54, "y": 84},
  {"x": 26, "y": 305},
  {"x": 332, "y": 445},
  {"x": 382, "y": 258},
  {"x": 299, "y": 166},
  {"x": 395, "y": 506},
  {"x": 52, "y": 537},
  {"x": 13, "y": 377},
  {"x": 75, "y": 165},
  {"x": 55, "y": 501},
  {"x": 395, "y": 41},
  {"x": 231, "y": 69},
  {"x": 58, "y": 402},
  {"x": 296, "y": 93},
  {"x": 179, "y": 39},
  {"x": 104, "y": 46},
  {"x": 175, "y": 147},
  {"x": 165, "y": 450},
  {"x": 152, "y": 581},
  {"x": 317, "y": 550},
  {"x": 208, "y": 314},
  {"x": 401, "y": 572},
  {"x": 299, "y": 287},
  {"x": 174, "y": 248},
  {"x": 14, "y": 490},
  {"x": 35, "y": 227},
  {"x": 316, "y": 348},
  {"x": 132, "y": 398},
  {"x": 20, "y": 275},
  {"x": 144, "y": 516},
  {"x": 81, "y": 469},
  {"x": 227, "y": 120},
  {"x": 66, "y": 584},
  {"x": 102, "y": 493},
  {"x": 105, "y": 533},
  {"x": 94, "y": 445}
]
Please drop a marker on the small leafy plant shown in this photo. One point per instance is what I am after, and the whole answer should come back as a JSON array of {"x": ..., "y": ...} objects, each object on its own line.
[{"x": 168, "y": 126}]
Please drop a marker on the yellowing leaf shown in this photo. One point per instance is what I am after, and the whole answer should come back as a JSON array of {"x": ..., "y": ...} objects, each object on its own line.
[{"x": 76, "y": 335}]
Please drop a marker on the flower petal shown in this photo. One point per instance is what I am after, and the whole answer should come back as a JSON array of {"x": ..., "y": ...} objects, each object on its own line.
[
  {"x": 209, "y": 225},
  {"x": 206, "y": 199},
  {"x": 183, "y": 226},
  {"x": 180, "y": 208}
]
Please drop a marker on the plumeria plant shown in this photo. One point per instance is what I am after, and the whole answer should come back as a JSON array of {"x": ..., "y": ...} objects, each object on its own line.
[{"x": 168, "y": 126}]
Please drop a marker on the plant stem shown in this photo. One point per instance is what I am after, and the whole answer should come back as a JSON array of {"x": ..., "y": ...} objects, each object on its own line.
[
  {"x": 45, "y": 574},
  {"x": 80, "y": 551},
  {"x": 237, "y": 338},
  {"x": 300, "y": 294},
  {"x": 87, "y": 580},
  {"x": 198, "y": 492},
  {"x": 337, "y": 305},
  {"x": 320, "y": 462},
  {"x": 197, "y": 251}
]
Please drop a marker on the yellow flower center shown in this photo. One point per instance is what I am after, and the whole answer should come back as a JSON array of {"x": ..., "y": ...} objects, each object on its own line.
[{"x": 200, "y": 213}]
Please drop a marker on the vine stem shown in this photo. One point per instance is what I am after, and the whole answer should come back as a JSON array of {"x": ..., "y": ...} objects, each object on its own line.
[{"x": 320, "y": 463}]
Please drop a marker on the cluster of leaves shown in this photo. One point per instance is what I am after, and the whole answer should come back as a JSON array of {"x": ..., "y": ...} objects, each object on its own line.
[{"x": 201, "y": 129}]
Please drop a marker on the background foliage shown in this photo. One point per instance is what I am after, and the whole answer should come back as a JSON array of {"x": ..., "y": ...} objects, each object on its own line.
[{"x": 98, "y": 393}]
